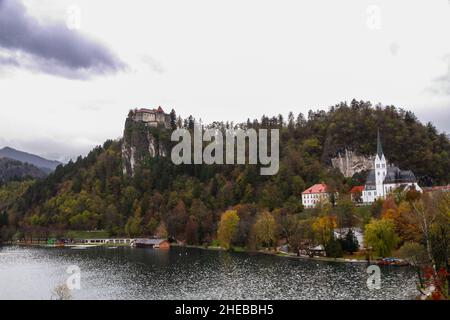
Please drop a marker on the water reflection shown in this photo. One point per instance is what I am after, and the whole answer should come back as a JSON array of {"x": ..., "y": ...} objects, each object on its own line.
[{"x": 180, "y": 273}]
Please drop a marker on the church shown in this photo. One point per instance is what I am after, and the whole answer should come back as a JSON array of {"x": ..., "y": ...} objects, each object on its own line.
[{"x": 385, "y": 178}]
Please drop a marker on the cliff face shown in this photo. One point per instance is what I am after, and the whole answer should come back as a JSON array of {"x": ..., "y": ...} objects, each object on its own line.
[
  {"x": 141, "y": 143},
  {"x": 350, "y": 163}
]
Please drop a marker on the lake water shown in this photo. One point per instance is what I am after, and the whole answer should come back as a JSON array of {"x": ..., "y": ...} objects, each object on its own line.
[{"x": 180, "y": 273}]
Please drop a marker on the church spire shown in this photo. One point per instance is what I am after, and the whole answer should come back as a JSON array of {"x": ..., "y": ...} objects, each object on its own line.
[{"x": 379, "y": 147}]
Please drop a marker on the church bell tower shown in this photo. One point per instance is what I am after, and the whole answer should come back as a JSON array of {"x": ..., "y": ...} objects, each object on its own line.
[{"x": 380, "y": 168}]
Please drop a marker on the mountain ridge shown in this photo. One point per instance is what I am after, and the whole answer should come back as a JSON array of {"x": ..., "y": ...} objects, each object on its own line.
[{"x": 45, "y": 165}]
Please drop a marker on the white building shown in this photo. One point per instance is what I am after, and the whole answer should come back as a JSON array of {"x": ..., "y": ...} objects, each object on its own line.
[
  {"x": 318, "y": 193},
  {"x": 386, "y": 178}
]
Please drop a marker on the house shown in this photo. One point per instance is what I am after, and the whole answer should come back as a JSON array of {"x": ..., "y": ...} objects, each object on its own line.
[
  {"x": 318, "y": 193},
  {"x": 152, "y": 117},
  {"x": 152, "y": 243},
  {"x": 356, "y": 194},
  {"x": 384, "y": 178}
]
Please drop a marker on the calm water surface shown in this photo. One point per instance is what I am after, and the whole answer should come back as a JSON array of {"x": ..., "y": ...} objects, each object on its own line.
[{"x": 180, "y": 273}]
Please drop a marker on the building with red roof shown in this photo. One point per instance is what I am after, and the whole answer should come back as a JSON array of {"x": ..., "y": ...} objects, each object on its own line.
[
  {"x": 356, "y": 193},
  {"x": 315, "y": 194}
]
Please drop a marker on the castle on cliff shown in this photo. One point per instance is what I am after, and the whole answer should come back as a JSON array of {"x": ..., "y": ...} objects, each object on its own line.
[{"x": 151, "y": 117}]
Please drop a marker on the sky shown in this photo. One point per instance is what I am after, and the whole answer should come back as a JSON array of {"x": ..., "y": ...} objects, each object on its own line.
[{"x": 71, "y": 69}]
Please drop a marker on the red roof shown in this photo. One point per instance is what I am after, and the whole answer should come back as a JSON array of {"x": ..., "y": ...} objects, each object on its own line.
[
  {"x": 317, "y": 188},
  {"x": 437, "y": 188},
  {"x": 159, "y": 110},
  {"x": 146, "y": 110},
  {"x": 357, "y": 189}
]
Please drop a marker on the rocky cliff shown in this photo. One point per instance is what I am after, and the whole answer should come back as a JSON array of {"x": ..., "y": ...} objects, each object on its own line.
[
  {"x": 350, "y": 163},
  {"x": 141, "y": 143}
]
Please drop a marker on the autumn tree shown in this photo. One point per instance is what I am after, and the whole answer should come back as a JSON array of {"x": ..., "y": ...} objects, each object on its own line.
[
  {"x": 381, "y": 237},
  {"x": 323, "y": 228},
  {"x": 227, "y": 228},
  {"x": 345, "y": 213},
  {"x": 134, "y": 227},
  {"x": 265, "y": 229}
]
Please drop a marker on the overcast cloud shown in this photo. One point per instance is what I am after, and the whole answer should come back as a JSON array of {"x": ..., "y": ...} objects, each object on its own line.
[
  {"x": 217, "y": 60},
  {"x": 50, "y": 48}
]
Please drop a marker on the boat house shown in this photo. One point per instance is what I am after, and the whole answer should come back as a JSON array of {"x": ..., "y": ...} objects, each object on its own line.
[{"x": 151, "y": 243}]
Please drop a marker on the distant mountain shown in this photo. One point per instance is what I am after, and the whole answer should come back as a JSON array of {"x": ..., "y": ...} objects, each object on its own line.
[
  {"x": 45, "y": 165},
  {"x": 15, "y": 170}
]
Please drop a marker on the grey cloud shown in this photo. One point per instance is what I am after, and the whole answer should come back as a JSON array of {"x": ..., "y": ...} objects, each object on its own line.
[
  {"x": 441, "y": 84},
  {"x": 50, "y": 48},
  {"x": 154, "y": 64},
  {"x": 439, "y": 117}
]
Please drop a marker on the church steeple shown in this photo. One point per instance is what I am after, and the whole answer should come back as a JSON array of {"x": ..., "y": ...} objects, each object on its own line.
[{"x": 379, "y": 147}]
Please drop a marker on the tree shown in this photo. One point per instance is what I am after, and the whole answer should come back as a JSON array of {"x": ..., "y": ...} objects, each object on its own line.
[
  {"x": 286, "y": 223},
  {"x": 414, "y": 253},
  {"x": 161, "y": 231},
  {"x": 405, "y": 226},
  {"x": 350, "y": 243},
  {"x": 303, "y": 233},
  {"x": 173, "y": 119},
  {"x": 265, "y": 229},
  {"x": 191, "y": 232},
  {"x": 227, "y": 228},
  {"x": 133, "y": 227},
  {"x": 381, "y": 236},
  {"x": 323, "y": 228},
  {"x": 345, "y": 212},
  {"x": 333, "y": 248}
]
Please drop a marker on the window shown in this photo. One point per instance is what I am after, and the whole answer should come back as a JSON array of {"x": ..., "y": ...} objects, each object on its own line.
[
  {"x": 378, "y": 165},
  {"x": 383, "y": 165}
]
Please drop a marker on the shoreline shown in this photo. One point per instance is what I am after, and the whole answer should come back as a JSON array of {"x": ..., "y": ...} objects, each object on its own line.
[
  {"x": 214, "y": 248},
  {"x": 277, "y": 254}
]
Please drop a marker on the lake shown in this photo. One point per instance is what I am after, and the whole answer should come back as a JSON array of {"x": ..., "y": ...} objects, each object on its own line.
[{"x": 187, "y": 273}]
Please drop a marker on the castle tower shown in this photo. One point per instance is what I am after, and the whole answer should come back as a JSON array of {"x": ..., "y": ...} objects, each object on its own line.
[{"x": 380, "y": 168}]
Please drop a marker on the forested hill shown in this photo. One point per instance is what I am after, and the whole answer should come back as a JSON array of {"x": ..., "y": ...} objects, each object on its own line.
[
  {"x": 15, "y": 170},
  {"x": 186, "y": 200}
]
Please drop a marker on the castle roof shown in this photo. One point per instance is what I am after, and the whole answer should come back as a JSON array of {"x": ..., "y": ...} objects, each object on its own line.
[
  {"x": 317, "y": 188},
  {"x": 393, "y": 176},
  {"x": 145, "y": 110}
]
